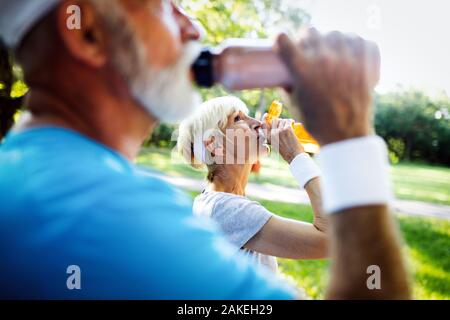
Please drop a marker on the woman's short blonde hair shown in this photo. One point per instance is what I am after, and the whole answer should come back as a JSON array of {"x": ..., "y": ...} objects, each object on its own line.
[{"x": 209, "y": 118}]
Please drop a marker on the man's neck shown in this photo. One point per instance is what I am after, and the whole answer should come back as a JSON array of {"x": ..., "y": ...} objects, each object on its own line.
[
  {"x": 233, "y": 178},
  {"x": 122, "y": 126}
]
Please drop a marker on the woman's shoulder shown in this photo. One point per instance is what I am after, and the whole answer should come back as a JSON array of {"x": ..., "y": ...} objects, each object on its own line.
[
  {"x": 208, "y": 194},
  {"x": 209, "y": 201},
  {"x": 213, "y": 203},
  {"x": 239, "y": 217},
  {"x": 216, "y": 196}
]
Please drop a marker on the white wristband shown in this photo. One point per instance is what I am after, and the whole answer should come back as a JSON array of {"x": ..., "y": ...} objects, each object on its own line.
[
  {"x": 303, "y": 168},
  {"x": 355, "y": 173}
]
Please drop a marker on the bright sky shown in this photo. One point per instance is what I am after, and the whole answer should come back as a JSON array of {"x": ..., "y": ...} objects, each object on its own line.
[{"x": 413, "y": 36}]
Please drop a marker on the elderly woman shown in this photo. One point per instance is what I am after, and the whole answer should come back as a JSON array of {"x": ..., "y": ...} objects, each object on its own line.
[{"x": 224, "y": 138}]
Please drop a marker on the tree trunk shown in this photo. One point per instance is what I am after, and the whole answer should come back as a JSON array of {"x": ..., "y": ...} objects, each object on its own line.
[
  {"x": 8, "y": 108},
  {"x": 408, "y": 149},
  {"x": 8, "y": 105}
]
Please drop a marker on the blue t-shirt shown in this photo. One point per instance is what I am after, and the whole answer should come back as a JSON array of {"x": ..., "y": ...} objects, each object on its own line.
[{"x": 66, "y": 200}]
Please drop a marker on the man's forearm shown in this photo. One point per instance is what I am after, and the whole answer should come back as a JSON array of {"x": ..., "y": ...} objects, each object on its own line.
[
  {"x": 362, "y": 237},
  {"x": 353, "y": 161}
]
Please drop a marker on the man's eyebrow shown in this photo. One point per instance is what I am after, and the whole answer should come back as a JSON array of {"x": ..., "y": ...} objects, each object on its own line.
[
  {"x": 183, "y": 11},
  {"x": 178, "y": 5}
]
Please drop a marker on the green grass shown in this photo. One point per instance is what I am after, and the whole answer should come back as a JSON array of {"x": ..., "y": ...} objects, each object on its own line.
[
  {"x": 411, "y": 181},
  {"x": 168, "y": 162},
  {"x": 422, "y": 182},
  {"x": 426, "y": 247},
  {"x": 426, "y": 240}
]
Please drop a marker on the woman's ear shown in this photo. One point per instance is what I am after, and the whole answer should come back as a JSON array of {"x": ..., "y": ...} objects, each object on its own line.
[{"x": 213, "y": 146}]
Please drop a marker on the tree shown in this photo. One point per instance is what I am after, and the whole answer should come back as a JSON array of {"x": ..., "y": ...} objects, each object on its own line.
[{"x": 415, "y": 126}]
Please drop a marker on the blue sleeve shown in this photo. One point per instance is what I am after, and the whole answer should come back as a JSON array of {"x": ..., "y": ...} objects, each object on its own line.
[
  {"x": 159, "y": 250},
  {"x": 69, "y": 201}
]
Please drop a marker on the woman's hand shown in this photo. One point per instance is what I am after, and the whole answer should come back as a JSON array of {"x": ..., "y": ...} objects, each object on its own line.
[{"x": 282, "y": 138}]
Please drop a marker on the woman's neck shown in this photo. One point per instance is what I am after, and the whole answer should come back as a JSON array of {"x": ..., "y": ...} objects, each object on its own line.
[{"x": 232, "y": 178}]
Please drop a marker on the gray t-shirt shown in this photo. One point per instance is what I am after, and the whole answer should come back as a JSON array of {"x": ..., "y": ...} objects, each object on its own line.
[{"x": 239, "y": 218}]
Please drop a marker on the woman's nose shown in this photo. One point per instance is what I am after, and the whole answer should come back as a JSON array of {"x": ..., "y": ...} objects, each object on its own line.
[{"x": 256, "y": 124}]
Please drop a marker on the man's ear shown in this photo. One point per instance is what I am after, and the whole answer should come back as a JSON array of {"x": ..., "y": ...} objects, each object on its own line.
[
  {"x": 214, "y": 147},
  {"x": 80, "y": 29}
]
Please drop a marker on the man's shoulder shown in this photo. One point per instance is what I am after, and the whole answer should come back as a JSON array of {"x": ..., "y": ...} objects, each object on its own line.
[
  {"x": 154, "y": 185},
  {"x": 58, "y": 168}
]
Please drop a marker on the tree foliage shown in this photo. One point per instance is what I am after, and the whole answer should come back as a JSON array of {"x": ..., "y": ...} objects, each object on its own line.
[
  {"x": 223, "y": 19},
  {"x": 415, "y": 126}
]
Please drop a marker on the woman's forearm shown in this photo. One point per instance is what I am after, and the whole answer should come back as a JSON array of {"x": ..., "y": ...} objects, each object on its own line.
[
  {"x": 306, "y": 172},
  {"x": 313, "y": 190},
  {"x": 287, "y": 238}
]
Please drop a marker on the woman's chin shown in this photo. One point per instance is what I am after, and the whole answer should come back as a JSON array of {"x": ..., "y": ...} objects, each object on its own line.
[{"x": 264, "y": 151}]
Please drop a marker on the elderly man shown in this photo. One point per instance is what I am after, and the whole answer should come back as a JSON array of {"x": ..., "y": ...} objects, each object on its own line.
[{"x": 79, "y": 220}]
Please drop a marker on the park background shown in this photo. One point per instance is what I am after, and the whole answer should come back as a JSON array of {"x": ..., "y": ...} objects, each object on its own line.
[{"x": 414, "y": 123}]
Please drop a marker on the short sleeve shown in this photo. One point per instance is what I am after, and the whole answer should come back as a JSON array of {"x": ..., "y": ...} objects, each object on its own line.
[{"x": 239, "y": 218}]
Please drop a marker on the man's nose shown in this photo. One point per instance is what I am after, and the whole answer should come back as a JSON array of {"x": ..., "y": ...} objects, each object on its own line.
[{"x": 190, "y": 30}]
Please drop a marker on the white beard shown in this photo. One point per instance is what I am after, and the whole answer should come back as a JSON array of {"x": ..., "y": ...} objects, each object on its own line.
[{"x": 167, "y": 94}]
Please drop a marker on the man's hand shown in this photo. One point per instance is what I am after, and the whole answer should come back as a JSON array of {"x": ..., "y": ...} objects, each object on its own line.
[
  {"x": 333, "y": 80},
  {"x": 334, "y": 77},
  {"x": 282, "y": 138}
]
